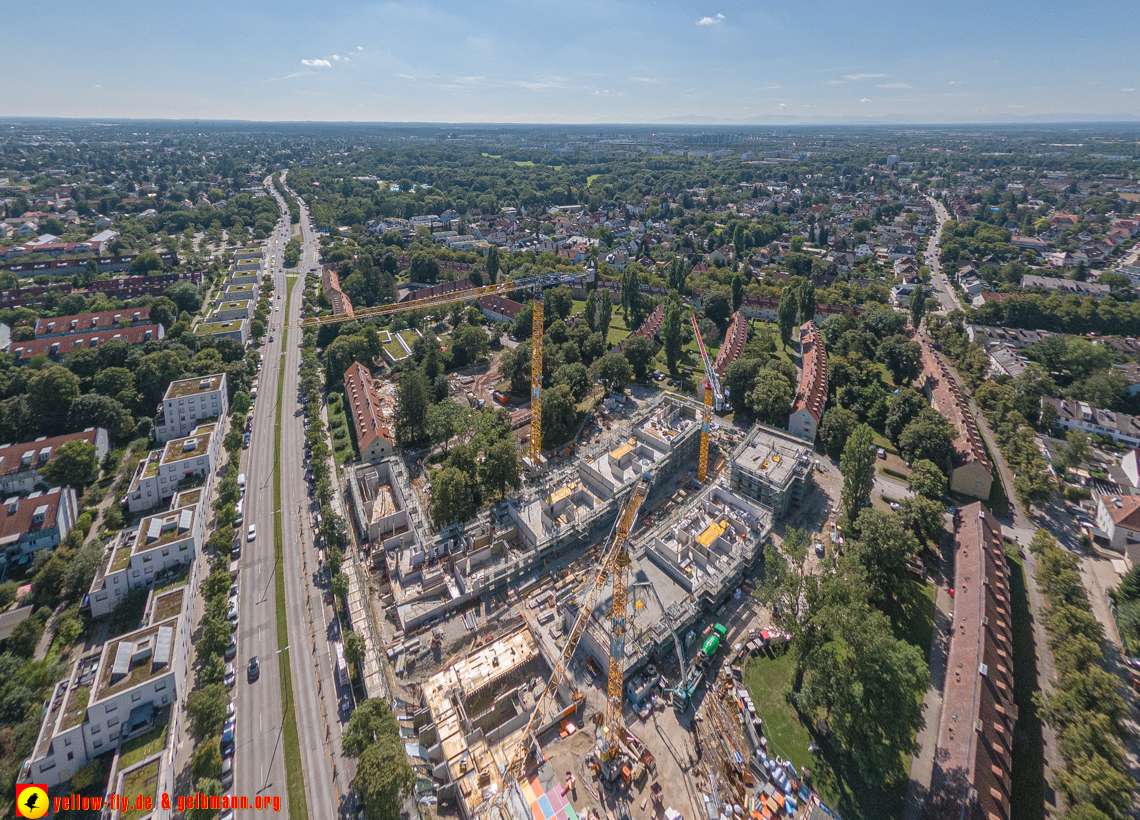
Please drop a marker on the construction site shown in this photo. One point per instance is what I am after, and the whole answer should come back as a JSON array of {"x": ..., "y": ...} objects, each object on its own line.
[{"x": 575, "y": 650}]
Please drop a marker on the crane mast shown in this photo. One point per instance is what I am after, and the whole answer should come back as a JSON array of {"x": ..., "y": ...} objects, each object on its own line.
[
  {"x": 713, "y": 395},
  {"x": 619, "y": 622}
]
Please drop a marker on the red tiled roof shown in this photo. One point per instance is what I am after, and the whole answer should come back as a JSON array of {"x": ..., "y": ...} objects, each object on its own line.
[
  {"x": 62, "y": 345},
  {"x": 947, "y": 399},
  {"x": 1123, "y": 509},
  {"x": 733, "y": 346},
  {"x": 84, "y": 322},
  {"x": 365, "y": 406},
  {"x": 501, "y": 305},
  {"x": 11, "y": 455},
  {"x": 812, "y": 394},
  {"x": 649, "y": 327},
  {"x": 330, "y": 286},
  {"x": 438, "y": 290},
  {"x": 975, "y": 732}
]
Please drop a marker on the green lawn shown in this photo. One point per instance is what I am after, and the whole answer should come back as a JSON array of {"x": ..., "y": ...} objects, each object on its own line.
[
  {"x": 140, "y": 748},
  {"x": 835, "y": 777},
  {"x": 343, "y": 448},
  {"x": 409, "y": 336},
  {"x": 1027, "y": 795}
]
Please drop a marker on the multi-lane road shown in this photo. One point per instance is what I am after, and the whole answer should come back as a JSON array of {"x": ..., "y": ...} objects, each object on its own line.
[
  {"x": 259, "y": 764},
  {"x": 947, "y": 298}
]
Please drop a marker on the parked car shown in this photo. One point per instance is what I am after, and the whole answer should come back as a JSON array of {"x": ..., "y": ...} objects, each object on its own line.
[
  {"x": 228, "y": 739},
  {"x": 231, "y": 648},
  {"x": 228, "y": 774},
  {"x": 231, "y": 675}
]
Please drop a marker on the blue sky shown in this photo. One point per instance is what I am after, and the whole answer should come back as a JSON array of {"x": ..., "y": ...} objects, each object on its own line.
[{"x": 576, "y": 62}]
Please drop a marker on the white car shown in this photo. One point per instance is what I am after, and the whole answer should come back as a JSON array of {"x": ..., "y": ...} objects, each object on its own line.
[
  {"x": 231, "y": 675},
  {"x": 252, "y": 534}
]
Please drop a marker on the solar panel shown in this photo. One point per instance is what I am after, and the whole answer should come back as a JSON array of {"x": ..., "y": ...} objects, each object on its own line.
[
  {"x": 162, "y": 648},
  {"x": 123, "y": 658}
]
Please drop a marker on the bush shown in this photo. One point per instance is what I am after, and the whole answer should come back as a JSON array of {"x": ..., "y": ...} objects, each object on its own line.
[
  {"x": 113, "y": 517},
  {"x": 1075, "y": 494}
]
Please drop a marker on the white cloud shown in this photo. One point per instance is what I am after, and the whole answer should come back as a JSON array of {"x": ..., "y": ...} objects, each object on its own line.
[
  {"x": 538, "y": 85},
  {"x": 336, "y": 57},
  {"x": 710, "y": 21},
  {"x": 955, "y": 82},
  {"x": 645, "y": 79},
  {"x": 1128, "y": 90},
  {"x": 360, "y": 48},
  {"x": 865, "y": 100},
  {"x": 835, "y": 82},
  {"x": 895, "y": 85},
  {"x": 782, "y": 105},
  {"x": 317, "y": 63},
  {"x": 863, "y": 76}
]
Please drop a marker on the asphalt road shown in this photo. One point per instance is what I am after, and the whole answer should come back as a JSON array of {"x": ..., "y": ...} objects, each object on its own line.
[
  {"x": 259, "y": 763},
  {"x": 947, "y": 299}
]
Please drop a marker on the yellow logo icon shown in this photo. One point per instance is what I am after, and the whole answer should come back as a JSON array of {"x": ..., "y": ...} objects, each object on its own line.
[{"x": 31, "y": 800}]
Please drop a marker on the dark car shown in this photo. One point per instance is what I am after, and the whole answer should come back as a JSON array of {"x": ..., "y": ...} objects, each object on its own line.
[
  {"x": 231, "y": 649},
  {"x": 254, "y": 669},
  {"x": 228, "y": 740}
]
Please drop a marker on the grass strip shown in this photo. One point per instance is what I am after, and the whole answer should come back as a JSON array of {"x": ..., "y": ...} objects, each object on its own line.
[{"x": 294, "y": 774}]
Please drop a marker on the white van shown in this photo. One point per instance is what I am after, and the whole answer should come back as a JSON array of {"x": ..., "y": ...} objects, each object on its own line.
[
  {"x": 240, "y": 514},
  {"x": 241, "y": 480}
]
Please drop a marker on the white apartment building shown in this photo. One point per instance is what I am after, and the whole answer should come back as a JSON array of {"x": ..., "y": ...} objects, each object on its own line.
[
  {"x": 162, "y": 545},
  {"x": 188, "y": 401},
  {"x": 113, "y": 693},
  {"x": 158, "y": 476}
]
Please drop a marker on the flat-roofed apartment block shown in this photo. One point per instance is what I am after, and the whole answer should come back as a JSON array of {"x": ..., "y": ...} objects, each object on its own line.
[
  {"x": 238, "y": 329},
  {"x": 188, "y": 402},
  {"x": 803, "y": 422},
  {"x": 247, "y": 277},
  {"x": 240, "y": 292},
  {"x": 479, "y": 707},
  {"x": 123, "y": 690},
  {"x": 233, "y": 310},
  {"x": 972, "y": 756},
  {"x": 38, "y": 522},
  {"x": 161, "y": 546},
  {"x": 969, "y": 467},
  {"x": 772, "y": 467},
  {"x": 371, "y": 417},
  {"x": 20, "y": 464},
  {"x": 162, "y": 472}
]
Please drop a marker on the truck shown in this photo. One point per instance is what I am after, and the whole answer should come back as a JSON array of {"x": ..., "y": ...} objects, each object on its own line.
[{"x": 691, "y": 681}]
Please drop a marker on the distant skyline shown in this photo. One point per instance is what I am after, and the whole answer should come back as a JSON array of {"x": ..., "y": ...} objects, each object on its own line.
[{"x": 756, "y": 62}]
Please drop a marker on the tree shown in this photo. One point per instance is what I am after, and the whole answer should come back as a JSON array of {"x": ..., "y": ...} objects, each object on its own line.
[
  {"x": 383, "y": 778},
  {"x": 927, "y": 479},
  {"x": 630, "y": 288},
  {"x": 917, "y": 307},
  {"x": 786, "y": 580},
  {"x": 576, "y": 377},
  {"x": 95, "y": 410},
  {"x": 605, "y": 314},
  {"x": 206, "y": 708},
  {"x": 423, "y": 268},
  {"x": 857, "y": 466},
  {"x": 445, "y": 420},
  {"x": 590, "y": 311},
  {"x": 50, "y": 393},
  {"x": 164, "y": 311},
  {"x": 146, "y": 263},
  {"x": 716, "y": 305},
  {"x": 25, "y": 637},
  {"x": 207, "y": 761},
  {"x": 869, "y": 685},
  {"x": 671, "y": 332},
  {"x": 903, "y": 407},
  {"x": 613, "y": 371},
  {"x": 739, "y": 379},
  {"x": 638, "y": 351},
  {"x": 559, "y": 416},
  {"x": 923, "y": 517},
  {"x": 902, "y": 357},
  {"x": 1076, "y": 449},
  {"x": 882, "y": 549},
  {"x": 771, "y": 397},
  {"x": 371, "y": 720},
  {"x": 412, "y": 399},
  {"x": 76, "y": 464},
  {"x": 929, "y": 436},
  {"x": 786, "y": 315},
  {"x": 452, "y": 498},
  {"x": 805, "y": 300},
  {"x": 559, "y": 302},
  {"x": 210, "y": 788},
  {"x": 353, "y": 648},
  {"x": 500, "y": 468},
  {"x": 737, "y": 291},
  {"x": 834, "y": 429},
  {"x": 469, "y": 344},
  {"x": 492, "y": 265},
  {"x": 185, "y": 297},
  {"x": 514, "y": 366}
]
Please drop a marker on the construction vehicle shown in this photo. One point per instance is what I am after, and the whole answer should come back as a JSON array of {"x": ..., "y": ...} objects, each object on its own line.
[
  {"x": 691, "y": 680},
  {"x": 680, "y": 688},
  {"x": 534, "y": 284},
  {"x": 714, "y": 397}
]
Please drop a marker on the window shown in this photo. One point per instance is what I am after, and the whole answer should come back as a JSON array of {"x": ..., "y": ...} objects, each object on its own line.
[
  {"x": 70, "y": 756},
  {"x": 136, "y": 697}
]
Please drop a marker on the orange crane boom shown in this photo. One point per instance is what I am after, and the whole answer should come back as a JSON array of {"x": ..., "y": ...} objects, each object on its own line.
[{"x": 713, "y": 395}]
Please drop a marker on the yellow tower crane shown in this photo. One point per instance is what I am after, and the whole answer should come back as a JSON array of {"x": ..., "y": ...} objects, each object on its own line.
[
  {"x": 713, "y": 397},
  {"x": 534, "y": 284}
]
